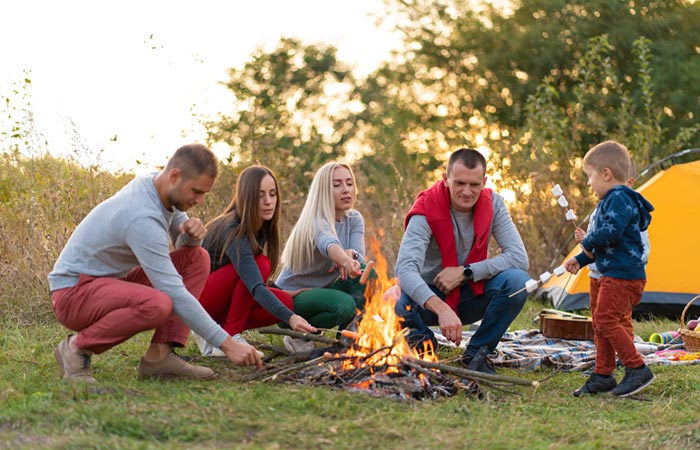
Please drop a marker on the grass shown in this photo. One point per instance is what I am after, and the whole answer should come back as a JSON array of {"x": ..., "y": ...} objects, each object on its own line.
[{"x": 39, "y": 410}]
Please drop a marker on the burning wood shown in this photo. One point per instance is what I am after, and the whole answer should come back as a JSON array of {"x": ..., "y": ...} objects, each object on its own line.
[{"x": 375, "y": 358}]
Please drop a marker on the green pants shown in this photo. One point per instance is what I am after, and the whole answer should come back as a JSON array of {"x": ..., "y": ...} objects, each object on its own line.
[{"x": 334, "y": 305}]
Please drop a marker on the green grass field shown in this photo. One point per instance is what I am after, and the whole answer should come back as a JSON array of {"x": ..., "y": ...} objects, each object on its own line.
[{"x": 41, "y": 411}]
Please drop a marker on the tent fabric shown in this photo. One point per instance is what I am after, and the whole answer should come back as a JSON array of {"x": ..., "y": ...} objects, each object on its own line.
[{"x": 672, "y": 277}]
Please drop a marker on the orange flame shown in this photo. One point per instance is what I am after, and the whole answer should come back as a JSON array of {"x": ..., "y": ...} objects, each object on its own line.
[{"x": 381, "y": 340}]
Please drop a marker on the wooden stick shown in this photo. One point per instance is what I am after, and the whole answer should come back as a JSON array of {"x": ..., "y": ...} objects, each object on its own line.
[
  {"x": 365, "y": 273},
  {"x": 473, "y": 373},
  {"x": 299, "y": 334}
]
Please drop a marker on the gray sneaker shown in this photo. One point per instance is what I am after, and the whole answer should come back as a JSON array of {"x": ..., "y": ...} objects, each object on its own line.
[
  {"x": 634, "y": 381},
  {"x": 74, "y": 365},
  {"x": 173, "y": 366}
]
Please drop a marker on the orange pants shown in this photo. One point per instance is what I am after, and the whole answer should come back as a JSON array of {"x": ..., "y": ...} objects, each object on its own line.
[{"x": 612, "y": 324}]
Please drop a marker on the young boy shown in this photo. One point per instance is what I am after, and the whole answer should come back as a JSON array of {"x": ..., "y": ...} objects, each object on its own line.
[
  {"x": 593, "y": 273},
  {"x": 616, "y": 246}
]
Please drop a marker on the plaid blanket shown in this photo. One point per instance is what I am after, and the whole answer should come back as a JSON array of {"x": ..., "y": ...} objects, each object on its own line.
[{"x": 529, "y": 350}]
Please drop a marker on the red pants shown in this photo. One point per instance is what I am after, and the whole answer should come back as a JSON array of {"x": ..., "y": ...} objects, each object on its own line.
[
  {"x": 594, "y": 287},
  {"x": 108, "y": 311},
  {"x": 227, "y": 299},
  {"x": 612, "y": 323}
]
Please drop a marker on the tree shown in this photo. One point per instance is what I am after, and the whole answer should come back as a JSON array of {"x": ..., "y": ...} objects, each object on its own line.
[{"x": 502, "y": 56}]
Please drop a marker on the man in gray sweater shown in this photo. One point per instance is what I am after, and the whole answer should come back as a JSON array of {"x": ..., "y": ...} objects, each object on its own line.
[
  {"x": 443, "y": 266},
  {"x": 117, "y": 275}
]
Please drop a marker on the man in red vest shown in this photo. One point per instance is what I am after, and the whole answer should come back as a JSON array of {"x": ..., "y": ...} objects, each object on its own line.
[{"x": 444, "y": 269}]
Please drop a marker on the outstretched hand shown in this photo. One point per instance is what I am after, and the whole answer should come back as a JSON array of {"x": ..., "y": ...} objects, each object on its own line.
[
  {"x": 298, "y": 323},
  {"x": 241, "y": 353}
]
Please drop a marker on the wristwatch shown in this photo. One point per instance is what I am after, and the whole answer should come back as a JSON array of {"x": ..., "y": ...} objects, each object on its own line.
[{"x": 468, "y": 272}]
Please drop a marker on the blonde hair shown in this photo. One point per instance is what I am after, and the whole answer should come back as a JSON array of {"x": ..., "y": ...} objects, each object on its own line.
[
  {"x": 319, "y": 209},
  {"x": 611, "y": 155}
]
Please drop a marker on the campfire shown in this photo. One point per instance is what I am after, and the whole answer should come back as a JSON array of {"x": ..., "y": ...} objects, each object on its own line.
[{"x": 373, "y": 356}]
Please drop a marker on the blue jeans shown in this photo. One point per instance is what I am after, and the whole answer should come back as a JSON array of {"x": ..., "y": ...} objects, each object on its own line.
[{"x": 495, "y": 310}]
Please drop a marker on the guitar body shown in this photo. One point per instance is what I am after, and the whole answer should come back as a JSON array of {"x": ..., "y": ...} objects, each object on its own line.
[{"x": 566, "y": 326}]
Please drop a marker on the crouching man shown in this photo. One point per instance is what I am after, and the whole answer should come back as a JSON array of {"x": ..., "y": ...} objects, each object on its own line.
[{"x": 117, "y": 275}]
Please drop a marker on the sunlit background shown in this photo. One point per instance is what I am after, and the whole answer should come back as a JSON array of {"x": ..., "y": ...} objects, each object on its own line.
[{"x": 135, "y": 77}]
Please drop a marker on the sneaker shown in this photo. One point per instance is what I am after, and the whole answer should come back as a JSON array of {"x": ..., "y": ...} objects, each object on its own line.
[
  {"x": 596, "y": 384},
  {"x": 205, "y": 348},
  {"x": 634, "y": 381},
  {"x": 479, "y": 362},
  {"x": 238, "y": 337},
  {"x": 74, "y": 365},
  {"x": 173, "y": 366},
  {"x": 297, "y": 345}
]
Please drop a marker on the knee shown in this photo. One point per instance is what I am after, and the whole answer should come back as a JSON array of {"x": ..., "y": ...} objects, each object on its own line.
[
  {"x": 159, "y": 309},
  {"x": 264, "y": 266}
]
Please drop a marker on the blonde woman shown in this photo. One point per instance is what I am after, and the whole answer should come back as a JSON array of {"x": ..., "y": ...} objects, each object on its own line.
[{"x": 325, "y": 252}]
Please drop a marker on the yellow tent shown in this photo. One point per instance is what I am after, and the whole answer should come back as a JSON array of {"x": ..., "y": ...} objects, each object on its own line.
[{"x": 673, "y": 279}]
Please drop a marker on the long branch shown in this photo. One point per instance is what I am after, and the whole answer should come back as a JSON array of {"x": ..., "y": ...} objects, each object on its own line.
[
  {"x": 299, "y": 334},
  {"x": 473, "y": 373}
]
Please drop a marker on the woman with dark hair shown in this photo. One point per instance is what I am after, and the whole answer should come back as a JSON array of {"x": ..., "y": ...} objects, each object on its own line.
[{"x": 244, "y": 245}]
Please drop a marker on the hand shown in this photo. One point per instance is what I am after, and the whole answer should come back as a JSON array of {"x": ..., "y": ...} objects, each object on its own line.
[
  {"x": 298, "y": 323},
  {"x": 572, "y": 266},
  {"x": 296, "y": 292},
  {"x": 450, "y": 324},
  {"x": 448, "y": 279},
  {"x": 194, "y": 228},
  {"x": 350, "y": 268},
  {"x": 579, "y": 234},
  {"x": 241, "y": 353}
]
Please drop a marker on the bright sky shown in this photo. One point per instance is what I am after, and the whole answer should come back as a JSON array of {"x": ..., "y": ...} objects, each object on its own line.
[{"x": 139, "y": 70}]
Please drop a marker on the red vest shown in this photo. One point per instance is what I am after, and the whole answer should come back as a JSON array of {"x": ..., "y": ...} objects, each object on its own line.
[{"x": 434, "y": 204}]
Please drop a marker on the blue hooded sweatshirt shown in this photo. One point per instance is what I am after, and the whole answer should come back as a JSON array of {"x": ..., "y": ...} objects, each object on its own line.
[{"x": 616, "y": 244}]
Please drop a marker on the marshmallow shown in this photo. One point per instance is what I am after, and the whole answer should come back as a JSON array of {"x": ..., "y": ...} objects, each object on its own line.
[
  {"x": 559, "y": 271},
  {"x": 563, "y": 202},
  {"x": 531, "y": 285},
  {"x": 570, "y": 215},
  {"x": 545, "y": 277},
  {"x": 556, "y": 190}
]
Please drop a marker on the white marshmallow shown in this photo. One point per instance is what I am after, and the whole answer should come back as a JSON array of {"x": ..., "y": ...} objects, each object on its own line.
[
  {"x": 570, "y": 215},
  {"x": 563, "y": 202},
  {"x": 544, "y": 277},
  {"x": 556, "y": 190},
  {"x": 531, "y": 285},
  {"x": 559, "y": 271}
]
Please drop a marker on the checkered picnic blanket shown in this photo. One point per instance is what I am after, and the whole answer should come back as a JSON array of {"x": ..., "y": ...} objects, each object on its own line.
[{"x": 529, "y": 349}]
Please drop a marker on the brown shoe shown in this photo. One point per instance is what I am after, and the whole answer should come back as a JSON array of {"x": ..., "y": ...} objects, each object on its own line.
[
  {"x": 74, "y": 365},
  {"x": 173, "y": 366}
]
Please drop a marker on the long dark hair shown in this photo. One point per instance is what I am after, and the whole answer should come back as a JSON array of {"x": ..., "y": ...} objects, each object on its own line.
[{"x": 244, "y": 209}]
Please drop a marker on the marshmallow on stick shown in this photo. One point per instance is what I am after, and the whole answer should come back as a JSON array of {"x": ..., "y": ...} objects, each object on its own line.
[{"x": 564, "y": 203}]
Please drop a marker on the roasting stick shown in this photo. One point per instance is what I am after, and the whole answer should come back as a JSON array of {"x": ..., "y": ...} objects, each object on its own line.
[{"x": 531, "y": 285}]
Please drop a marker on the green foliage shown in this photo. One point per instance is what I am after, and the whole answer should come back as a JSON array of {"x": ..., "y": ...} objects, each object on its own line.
[{"x": 42, "y": 199}]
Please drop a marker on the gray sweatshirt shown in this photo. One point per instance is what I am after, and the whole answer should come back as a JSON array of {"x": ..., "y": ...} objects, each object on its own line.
[
  {"x": 351, "y": 235},
  {"x": 133, "y": 228},
  {"x": 420, "y": 260}
]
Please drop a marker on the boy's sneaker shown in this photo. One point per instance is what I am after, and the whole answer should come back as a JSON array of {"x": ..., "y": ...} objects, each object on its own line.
[
  {"x": 238, "y": 337},
  {"x": 296, "y": 345},
  {"x": 74, "y": 365},
  {"x": 479, "y": 362},
  {"x": 634, "y": 381},
  {"x": 597, "y": 384},
  {"x": 173, "y": 366}
]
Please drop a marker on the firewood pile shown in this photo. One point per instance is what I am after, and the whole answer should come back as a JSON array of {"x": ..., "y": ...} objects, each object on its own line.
[{"x": 404, "y": 378}]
